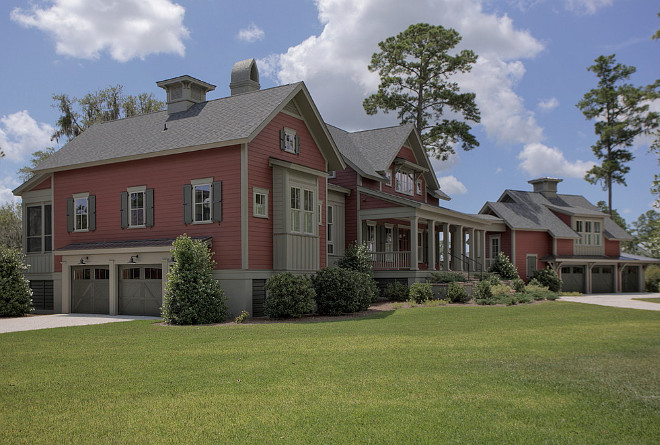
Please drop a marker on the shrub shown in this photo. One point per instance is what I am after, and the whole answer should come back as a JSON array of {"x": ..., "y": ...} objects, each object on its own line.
[
  {"x": 483, "y": 290},
  {"x": 501, "y": 291},
  {"x": 241, "y": 318},
  {"x": 421, "y": 292},
  {"x": 340, "y": 291},
  {"x": 396, "y": 291},
  {"x": 15, "y": 292},
  {"x": 538, "y": 292},
  {"x": 457, "y": 294},
  {"x": 288, "y": 296},
  {"x": 503, "y": 267},
  {"x": 358, "y": 258},
  {"x": 494, "y": 279},
  {"x": 652, "y": 278},
  {"x": 518, "y": 285},
  {"x": 548, "y": 278},
  {"x": 192, "y": 295},
  {"x": 444, "y": 276}
]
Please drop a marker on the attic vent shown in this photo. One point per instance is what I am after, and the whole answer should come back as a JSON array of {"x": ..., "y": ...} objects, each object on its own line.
[
  {"x": 292, "y": 108},
  {"x": 244, "y": 77}
]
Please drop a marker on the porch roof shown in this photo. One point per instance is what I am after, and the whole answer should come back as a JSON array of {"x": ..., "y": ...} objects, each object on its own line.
[
  {"x": 156, "y": 245},
  {"x": 579, "y": 259}
]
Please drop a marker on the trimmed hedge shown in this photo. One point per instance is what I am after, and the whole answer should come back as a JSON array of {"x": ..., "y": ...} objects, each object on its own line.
[
  {"x": 289, "y": 296},
  {"x": 396, "y": 291},
  {"x": 341, "y": 291}
]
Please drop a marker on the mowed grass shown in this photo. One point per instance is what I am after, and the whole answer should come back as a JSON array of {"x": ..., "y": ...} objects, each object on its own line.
[
  {"x": 552, "y": 372},
  {"x": 650, "y": 300}
]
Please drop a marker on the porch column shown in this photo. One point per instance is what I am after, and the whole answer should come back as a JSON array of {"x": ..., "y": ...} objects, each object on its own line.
[
  {"x": 113, "y": 284},
  {"x": 640, "y": 279},
  {"x": 66, "y": 287},
  {"x": 431, "y": 248},
  {"x": 413, "y": 242},
  {"x": 445, "y": 246},
  {"x": 471, "y": 243},
  {"x": 458, "y": 247}
]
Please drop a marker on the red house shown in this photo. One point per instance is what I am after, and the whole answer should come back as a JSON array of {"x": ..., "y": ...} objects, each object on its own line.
[
  {"x": 248, "y": 173},
  {"x": 566, "y": 233}
]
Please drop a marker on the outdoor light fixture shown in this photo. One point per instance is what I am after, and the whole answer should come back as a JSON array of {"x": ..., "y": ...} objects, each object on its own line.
[
  {"x": 133, "y": 258},
  {"x": 82, "y": 260}
]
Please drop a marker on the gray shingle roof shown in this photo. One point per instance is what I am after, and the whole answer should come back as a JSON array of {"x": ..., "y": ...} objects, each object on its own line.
[
  {"x": 352, "y": 153},
  {"x": 218, "y": 121},
  {"x": 529, "y": 216}
]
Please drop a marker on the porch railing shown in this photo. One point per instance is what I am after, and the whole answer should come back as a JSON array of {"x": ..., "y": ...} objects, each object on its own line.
[{"x": 390, "y": 260}]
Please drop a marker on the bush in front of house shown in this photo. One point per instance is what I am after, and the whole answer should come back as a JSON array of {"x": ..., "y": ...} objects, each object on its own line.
[
  {"x": 15, "y": 292},
  {"x": 538, "y": 292},
  {"x": 444, "y": 276},
  {"x": 342, "y": 291},
  {"x": 652, "y": 278},
  {"x": 289, "y": 296},
  {"x": 457, "y": 293},
  {"x": 192, "y": 294},
  {"x": 420, "y": 293},
  {"x": 358, "y": 258},
  {"x": 503, "y": 267},
  {"x": 518, "y": 285},
  {"x": 396, "y": 291},
  {"x": 548, "y": 277},
  {"x": 483, "y": 293}
]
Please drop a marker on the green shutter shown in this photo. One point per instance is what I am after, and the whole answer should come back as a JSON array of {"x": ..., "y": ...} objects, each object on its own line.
[
  {"x": 149, "y": 195},
  {"x": 187, "y": 204},
  {"x": 216, "y": 190},
  {"x": 282, "y": 140},
  {"x": 91, "y": 213},
  {"x": 297, "y": 142},
  {"x": 123, "y": 209},
  {"x": 69, "y": 214}
]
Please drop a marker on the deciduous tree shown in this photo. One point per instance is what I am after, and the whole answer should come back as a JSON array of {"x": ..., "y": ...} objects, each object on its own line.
[
  {"x": 11, "y": 231},
  {"x": 621, "y": 112},
  {"x": 38, "y": 157},
  {"x": 417, "y": 69}
]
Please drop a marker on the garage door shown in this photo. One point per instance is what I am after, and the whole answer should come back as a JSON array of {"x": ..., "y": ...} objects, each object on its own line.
[
  {"x": 140, "y": 290},
  {"x": 90, "y": 290},
  {"x": 572, "y": 279},
  {"x": 602, "y": 279},
  {"x": 630, "y": 279}
]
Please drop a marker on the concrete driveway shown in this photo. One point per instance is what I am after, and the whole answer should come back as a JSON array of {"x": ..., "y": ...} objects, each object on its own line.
[
  {"x": 62, "y": 320},
  {"x": 618, "y": 300}
]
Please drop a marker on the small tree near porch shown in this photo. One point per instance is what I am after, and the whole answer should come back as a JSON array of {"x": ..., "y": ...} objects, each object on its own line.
[{"x": 503, "y": 267}]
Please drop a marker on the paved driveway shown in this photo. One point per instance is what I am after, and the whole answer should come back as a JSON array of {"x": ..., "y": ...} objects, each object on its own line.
[
  {"x": 62, "y": 320},
  {"x": 618, "y": 300}
]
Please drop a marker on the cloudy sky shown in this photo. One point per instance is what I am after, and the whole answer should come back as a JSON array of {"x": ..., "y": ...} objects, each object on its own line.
[{"x": 531, "y": 72}]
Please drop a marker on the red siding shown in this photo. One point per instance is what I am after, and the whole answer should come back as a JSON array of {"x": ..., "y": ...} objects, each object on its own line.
[
  {"x": 348, "y": 178},
  {"x": 407, "y": 154},
  {"x": 612, "y": 248},
  {"x": 166, "y": 175},
  {"x": 564, "y": 247},
  {"x": 369, "y": 202},
  {"x": 538, "y": 243},
  {"x": 370, "y": 184},
  {"x": 565, "y": 218},
  {"x": 43, "y": 185}
]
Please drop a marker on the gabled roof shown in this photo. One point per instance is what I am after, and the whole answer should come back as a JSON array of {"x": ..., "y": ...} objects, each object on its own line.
[
  {"x": 371, "y": 152},
  {"x": 221, "y": 122},
  {"x": 534, "y": 211}
]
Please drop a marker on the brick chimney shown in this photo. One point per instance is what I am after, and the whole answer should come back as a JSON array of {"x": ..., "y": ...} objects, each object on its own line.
[
  {"x": 183, "y": 92},
  {"x": 546, "y": 186}
]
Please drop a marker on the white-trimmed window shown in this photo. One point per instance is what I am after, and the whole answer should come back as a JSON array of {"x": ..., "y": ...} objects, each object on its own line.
[
  {"x": 370, "y": 236},
  {"x": 590, "y": 232},
  {"x": 388, "y": 176},
  {"x": 319, "y": 215},
  {"x": 330, "y": 222},
  {"x": 289, "y": 141},
  {"x": 136, "y": 206},
  {"x": 418, "y": 186},
  {"x": 201, "y": 194},
  {"x": 494, "y": 246},
  {"x": 404, "y": 183},
  {"x": 532, "y": 264},
  {"x": 81, "y": 212},
  {"x": 260, "y": 202},
  {"x": 302, "y": 210},
  {"x": 389, "y": 238},
  {"x": 39, "y": 228}
]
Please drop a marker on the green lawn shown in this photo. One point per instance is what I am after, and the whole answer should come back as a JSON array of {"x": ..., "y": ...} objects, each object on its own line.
[
  {"x": 553, "y": 372},
  {"x": 650, "y": 300}
]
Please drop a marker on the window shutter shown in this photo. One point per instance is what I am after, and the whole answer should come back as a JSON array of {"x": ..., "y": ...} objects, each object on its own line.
[
  {"x": 149, "y": 195},
  {"x": 91, "y": 213},
  {"x": 282, "y": 140},
  {"x": 297, "y": 139},
  {"x": 123, "y": 209},
  {"x": 69, "y": 214},
  {"x": 187, "y": 204},
  {"x": 216, "y": 207}
]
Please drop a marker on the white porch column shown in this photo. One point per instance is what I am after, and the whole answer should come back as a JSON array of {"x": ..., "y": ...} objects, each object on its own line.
[
  {"x": 458, "y": 247},
  {"x": 414, "y": 221},
  {"x": 445, "y": 246},
  {"x": 431, "y": 243},
  {"x": 113, "y": 288},
  {"x": 66, "y": 287},
  {"x": 471, "y": 243}
]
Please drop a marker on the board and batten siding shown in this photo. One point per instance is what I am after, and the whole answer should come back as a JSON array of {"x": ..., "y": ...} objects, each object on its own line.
[{"x": 166, "y": 175}]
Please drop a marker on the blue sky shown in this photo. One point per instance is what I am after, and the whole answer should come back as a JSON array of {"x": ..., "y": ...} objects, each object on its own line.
[{"x": 531, "y": 72}]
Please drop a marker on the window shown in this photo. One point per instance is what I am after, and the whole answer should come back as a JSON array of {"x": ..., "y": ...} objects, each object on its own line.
[
  {"x": 404, "y": 182},
  {"x": 388, "y": 176},
  {"x": 136, "y": 207},
  {"x": 130, "y": 273},
  {"x": 418, "y": 186},
  {"x": 332, "y": 174},
  {"x": 302, "y": 210},
  {"x": 202, "y": 203},
  {"x": 370, "y": 237},
  {"x": 82, "y": 274},
  {"x": 589, "y": 231},
  {"x": 389, "y": 238},
  {"x": 420, "y": 246},
  {"x": 330, "y": 221},
  {"x": 153, "y": 273},
  {"x": 81, "y": 219},
  {"x": 289, "y": 141},
  {"x": 531, "y": 265},
  {"x": 494, "y": 246},
  {"x": 39, "y": 229},
  {"x": 260, "y": 202},
  {"x": 101, "y": 274}
]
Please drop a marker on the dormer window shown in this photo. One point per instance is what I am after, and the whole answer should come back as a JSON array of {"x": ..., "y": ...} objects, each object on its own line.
[
  {"x": 590, "y": 232},
  {"x": 289, "y": 141},
  {"x": 404, "y": 182}
]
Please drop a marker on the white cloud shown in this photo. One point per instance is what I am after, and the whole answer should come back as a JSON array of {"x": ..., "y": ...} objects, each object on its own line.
[
  {"x": 125, "y": 28},
  {"x": 549, "y": 104},
  {"x": 251, "y": 34},
  {"x": 540, "y": 160},
  {"x": 7, "y": 184},
  {"x": 334, "y": 63},
  {"x": 587, "y": 6},
  {"x": 451, "y": 185},
  {"x": 20, "y": 135}
]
